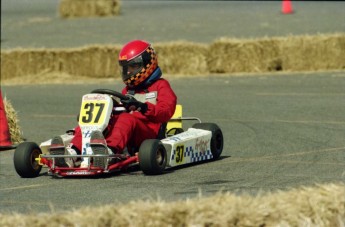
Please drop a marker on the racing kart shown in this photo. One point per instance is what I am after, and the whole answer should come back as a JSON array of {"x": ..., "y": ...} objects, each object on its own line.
[{"x": 173, "y": 147}]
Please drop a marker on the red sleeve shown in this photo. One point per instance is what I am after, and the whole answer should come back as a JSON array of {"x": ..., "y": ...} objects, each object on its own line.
[
  {"x": 124, "y": 91},
  {"x": 166, "y": 102}
]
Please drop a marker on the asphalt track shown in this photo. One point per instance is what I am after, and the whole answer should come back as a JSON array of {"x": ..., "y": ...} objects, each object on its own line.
[
  {"x": 281, "y": 131},
  {"x": 36, "y": 23}
]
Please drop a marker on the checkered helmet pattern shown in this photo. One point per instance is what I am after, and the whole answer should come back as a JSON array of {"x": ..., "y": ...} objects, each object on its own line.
[
  {"x": 146, "y": 71},
  {"x": 141, "y": 53}
]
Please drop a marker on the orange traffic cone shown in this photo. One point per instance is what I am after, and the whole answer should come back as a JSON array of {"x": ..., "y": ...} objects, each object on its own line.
[
  {"x": 287, "y": 7},
  {"x": 5, "y": 137}
]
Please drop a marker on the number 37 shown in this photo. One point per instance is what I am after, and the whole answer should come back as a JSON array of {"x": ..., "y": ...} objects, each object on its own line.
[
  {"x": 179, "y": 153},
  {"x": 90, "y": 115}
]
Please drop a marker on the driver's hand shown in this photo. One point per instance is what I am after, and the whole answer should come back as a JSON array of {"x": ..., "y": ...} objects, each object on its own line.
[{"x": 132, "y": 104}]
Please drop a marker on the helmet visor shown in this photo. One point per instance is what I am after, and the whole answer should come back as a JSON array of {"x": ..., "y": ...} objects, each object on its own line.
[{"x": 131, "y": 68}]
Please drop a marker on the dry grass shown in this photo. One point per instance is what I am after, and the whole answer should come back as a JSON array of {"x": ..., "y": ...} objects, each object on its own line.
[
  {"x": 321, "y": 205},
  {"x": 13, "y": 123},
  {"x": 88, "y": 8}
]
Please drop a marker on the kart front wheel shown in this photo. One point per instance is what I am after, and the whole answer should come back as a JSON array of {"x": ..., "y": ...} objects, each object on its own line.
[
  {"x": 216, "y": 140},
  {"x": 152, "y": 157},
  {"x": 25, "y": 161}
]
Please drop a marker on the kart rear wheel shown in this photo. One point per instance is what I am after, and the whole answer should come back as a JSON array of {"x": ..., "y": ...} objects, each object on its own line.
[
  {"x": 25, "y": 161},
  {"x": 152, "y": 157},
  {"x": 216, "y": 140}
]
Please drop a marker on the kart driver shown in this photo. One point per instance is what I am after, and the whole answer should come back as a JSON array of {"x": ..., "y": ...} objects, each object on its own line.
[{"x": 152, "y": 103}]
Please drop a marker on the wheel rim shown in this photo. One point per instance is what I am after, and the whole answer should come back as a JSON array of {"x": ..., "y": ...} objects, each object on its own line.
[
  {"x": 160, "y": 157},
  {"x": 35, "y": 154}
]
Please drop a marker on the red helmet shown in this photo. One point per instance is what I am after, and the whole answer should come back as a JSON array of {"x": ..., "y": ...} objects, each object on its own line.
[{"x": 138, "y": 60}]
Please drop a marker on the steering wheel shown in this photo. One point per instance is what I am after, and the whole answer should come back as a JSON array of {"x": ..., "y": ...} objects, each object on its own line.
[{"x": 110, "y": 92}]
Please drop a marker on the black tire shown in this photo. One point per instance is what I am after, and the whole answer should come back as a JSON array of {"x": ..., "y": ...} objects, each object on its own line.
[
  {"x": 152, "y": 157},
  {"x": 24, "y": 160},
  {"x": 217, "y": 141}
]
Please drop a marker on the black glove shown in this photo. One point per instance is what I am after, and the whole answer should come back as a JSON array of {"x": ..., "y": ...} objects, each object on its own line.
[{"x": 132, "y": 104}]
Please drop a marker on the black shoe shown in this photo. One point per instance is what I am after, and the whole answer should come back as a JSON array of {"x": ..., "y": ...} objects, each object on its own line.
[{"x": 57, "y": 147}]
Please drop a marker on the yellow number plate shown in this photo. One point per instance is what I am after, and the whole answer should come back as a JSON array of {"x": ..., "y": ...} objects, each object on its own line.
[{"x": 93, "y": 112}]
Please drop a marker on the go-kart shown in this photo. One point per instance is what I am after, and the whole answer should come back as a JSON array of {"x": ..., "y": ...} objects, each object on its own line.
[{"x": 173, "y": 147}]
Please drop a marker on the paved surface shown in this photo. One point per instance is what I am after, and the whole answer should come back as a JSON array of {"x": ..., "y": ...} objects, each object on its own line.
[
  {"x": 36, "y": 23},
  {"x": 280, "y": 131}
]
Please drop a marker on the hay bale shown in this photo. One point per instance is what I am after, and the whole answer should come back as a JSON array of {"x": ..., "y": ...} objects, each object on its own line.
[
  {"x": 309, "y": 53},
  {"x": 293, "y": 53},
  {"x": 182, "y": 58},
  {"x": 21, "y": 62},
  {"x": 99, "y": 61},
  {"x": 235, "y": 55},
  {"x": 88, "y": 8},
  {"x": 13, "y": 123},
  {"x": 321, "y": 205},
  {"x": 300, "y": 53},
  {"x": 92, "y": 61}
]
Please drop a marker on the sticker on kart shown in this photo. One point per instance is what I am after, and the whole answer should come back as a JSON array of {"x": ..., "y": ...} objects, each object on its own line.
[{"x": 188, "y": 147}]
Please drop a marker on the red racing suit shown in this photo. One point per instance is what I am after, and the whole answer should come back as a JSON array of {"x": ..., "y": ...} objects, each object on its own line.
[{"x": 131, "y": 129}]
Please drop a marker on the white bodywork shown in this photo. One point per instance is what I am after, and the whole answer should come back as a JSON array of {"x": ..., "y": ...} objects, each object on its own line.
[
  {"x": 46, "y": 144},
  {"x": 187, "y": 147}
]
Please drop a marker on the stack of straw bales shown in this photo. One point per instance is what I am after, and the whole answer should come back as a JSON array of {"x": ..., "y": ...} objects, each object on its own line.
[
  {"x": 295, "y": 53},
  {"x": 182, "y": 58},
  {"x": 310, "y": 53},
  {"x": 13, "y": 123},
  {"x": 321, "y": 206},
  {"x": 93, "y": 61},
  {"x": 89, "y": 8},
  {"x": 234, "y": 55}
]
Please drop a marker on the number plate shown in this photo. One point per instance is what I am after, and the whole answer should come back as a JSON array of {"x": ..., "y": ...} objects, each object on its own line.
[{"x": 95, "y": 110}]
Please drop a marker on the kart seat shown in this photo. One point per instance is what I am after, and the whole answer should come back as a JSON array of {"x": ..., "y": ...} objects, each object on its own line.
[{"x": 173, "y": 126}]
